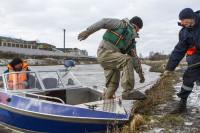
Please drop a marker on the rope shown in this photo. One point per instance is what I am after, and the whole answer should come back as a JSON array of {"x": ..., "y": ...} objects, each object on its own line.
[
  {"x": 145, "y": 85},
  {"x": 153, "y": 82},
  {"x": 117, "y": 98},
  {"x": 194, "y": 64},
  {"x": 137, "y": 89}
]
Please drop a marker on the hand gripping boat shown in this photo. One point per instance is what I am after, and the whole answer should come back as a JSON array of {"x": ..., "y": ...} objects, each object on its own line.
[{"x": 55, "y": 102}]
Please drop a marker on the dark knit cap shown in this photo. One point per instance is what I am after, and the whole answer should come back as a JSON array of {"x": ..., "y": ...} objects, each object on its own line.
[
  {"x": 16, "y": 61},
  {"x": 186, "y": 13},
  {"x": 137, "y": 21}
]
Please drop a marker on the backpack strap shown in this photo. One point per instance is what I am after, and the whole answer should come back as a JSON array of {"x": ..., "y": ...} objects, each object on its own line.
[{"x": 122, "y": 34}]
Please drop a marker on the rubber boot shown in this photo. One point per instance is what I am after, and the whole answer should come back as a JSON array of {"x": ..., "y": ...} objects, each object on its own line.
[
  {"x": 136, "y": 95},
  {"x": 108, "y": 94},
  {"x": 181, "y": 107},
  {"x": 198, "y": 83}
]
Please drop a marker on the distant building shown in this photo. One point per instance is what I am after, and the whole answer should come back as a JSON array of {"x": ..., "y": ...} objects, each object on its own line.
[
  {"x": 84, "y": 52},
  {"x": 45, "y": 46},
  {"x": 17, "y": 43},
  {"x": 73, "y": 51}
]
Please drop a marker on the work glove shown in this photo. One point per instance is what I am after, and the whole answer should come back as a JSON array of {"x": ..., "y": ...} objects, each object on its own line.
[
  {"x": 166, "y": 73},
  {"x": 83, "y": 35},
  {"x": 142, "y": 79},
  {"x": 25, "y": 84}
]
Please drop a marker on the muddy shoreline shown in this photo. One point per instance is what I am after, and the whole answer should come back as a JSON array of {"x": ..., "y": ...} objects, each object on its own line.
[{"x": 154, "y": 112}]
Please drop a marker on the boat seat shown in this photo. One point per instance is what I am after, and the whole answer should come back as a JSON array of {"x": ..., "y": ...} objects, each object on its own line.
[
  {"x": 31, "y": 81},
  {"x": 50, "y": 83}
]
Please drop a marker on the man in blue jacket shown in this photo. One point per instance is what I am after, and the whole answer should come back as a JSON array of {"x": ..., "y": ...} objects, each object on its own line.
[{"x": 189, "y": 35}]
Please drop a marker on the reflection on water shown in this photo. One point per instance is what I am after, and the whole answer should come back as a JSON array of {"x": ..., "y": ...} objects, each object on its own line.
[{"x": 90, "y": 75}]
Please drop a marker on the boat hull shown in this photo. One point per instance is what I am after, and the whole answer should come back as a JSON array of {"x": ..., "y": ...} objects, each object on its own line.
[
  {"x": 30, "y": 115},
  {"x": 27, "y": 123}
]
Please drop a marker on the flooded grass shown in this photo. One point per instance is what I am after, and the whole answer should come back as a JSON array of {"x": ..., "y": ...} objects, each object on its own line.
[
  {"x": 151, "y": 113},
  {"x": 137, "y": 122},
  {"x": 159, "y": 93}
]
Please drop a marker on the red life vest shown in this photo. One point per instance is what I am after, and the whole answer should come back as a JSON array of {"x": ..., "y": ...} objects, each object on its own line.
[
  {"x": 15, "y": 81},
  {"x": 190, "y": 50}
]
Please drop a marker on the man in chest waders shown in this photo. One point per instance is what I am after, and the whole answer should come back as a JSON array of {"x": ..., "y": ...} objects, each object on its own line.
[{"x": 117, "y": 52}]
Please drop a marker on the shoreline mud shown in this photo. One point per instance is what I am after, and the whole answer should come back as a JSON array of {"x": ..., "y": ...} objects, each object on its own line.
[{"x": 153, "y": 114}]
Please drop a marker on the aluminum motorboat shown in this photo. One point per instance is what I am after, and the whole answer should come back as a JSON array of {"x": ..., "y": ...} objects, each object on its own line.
[{"x": 56, "y": 102}]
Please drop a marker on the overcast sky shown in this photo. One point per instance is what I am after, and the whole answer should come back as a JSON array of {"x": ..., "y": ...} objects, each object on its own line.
[{"x": 44, "y": 21}]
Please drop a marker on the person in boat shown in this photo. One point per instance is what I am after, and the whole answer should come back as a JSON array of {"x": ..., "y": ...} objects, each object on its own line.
[
  {"x": 189, "y": 35},
  {"x": 18, "y": 80},
  {"x": 117, "y": 52}
]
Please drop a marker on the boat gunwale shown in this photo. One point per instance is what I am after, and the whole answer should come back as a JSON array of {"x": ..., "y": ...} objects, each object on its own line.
[{"x": 61, "y": 118}]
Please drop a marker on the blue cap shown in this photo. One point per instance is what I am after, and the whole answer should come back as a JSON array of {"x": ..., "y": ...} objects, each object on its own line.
[{"x": 186, "y": 13}]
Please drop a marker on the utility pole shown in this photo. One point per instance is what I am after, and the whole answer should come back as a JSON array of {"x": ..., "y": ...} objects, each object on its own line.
[{"x": 64, "y": 40}]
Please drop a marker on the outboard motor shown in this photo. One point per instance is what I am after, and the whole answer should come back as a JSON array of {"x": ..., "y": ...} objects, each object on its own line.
[{"x": 69, "y": 64}]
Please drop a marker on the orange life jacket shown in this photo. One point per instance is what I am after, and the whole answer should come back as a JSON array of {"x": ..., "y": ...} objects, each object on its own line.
[
  {"x": 190, "y": 51},
  {"x": 15, "y": 81}
]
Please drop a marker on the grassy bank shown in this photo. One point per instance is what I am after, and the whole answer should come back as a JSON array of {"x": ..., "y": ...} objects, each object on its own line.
[
  {"x": 154, "y": 111},
  {"x": 44, "y": 59}
]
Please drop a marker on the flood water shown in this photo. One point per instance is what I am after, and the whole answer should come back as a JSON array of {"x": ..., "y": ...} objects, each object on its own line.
[{"x": 90, "y": 75}]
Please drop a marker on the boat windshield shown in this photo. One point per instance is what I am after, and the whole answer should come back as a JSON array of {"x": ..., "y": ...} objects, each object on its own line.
[{"x": 38, "y": 80}]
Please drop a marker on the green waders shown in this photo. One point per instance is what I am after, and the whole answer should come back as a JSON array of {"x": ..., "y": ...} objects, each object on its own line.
[{"x": 113, "y": 62}]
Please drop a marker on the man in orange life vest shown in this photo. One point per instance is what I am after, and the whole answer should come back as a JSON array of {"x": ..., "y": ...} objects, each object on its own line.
[
  {"x": 18, "y": 80},
  {"x": 189, "y": 60}
]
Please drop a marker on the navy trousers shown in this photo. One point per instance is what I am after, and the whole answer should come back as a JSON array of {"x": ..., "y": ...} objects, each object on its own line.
[{"x": 189, "y": 77}]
